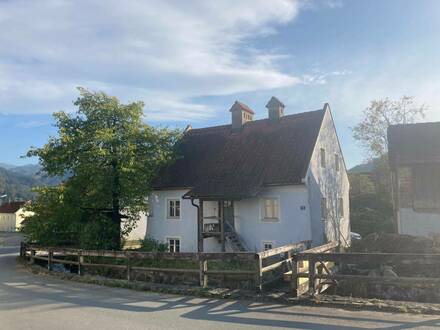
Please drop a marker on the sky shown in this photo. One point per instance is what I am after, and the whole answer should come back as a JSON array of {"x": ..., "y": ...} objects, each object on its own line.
[{"x": 190, "y": 60}]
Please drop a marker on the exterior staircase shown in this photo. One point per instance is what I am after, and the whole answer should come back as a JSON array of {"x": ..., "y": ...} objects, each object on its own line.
[{"x": 231, "y": 236}]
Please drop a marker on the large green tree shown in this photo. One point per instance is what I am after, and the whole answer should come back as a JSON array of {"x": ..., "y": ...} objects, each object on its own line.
[{"x": 110, "y": 157}]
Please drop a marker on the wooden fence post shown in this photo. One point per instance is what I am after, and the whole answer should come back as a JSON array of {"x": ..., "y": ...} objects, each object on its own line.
[
  {"x": 127, "y": 256},
  {"x": 32, "y": 259},
  {"x": 312, "y": 276},
  {"x": 294, "y": 278},
  {"x": 22, "y": 250},
  {"x": 203, "y": 268},
  {"x": 49, "y": 260},
  {"x": 259, "y": 273},
  {"x": 80, "y": 262}
]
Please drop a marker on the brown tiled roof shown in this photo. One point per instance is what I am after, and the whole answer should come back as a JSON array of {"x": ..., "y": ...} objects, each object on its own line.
[
  {"x": 414, "y": 143},
  {"x": 244, "y": 107},
  {"x": 219, "y": 163},
  {"x": 11, "y": 207}
]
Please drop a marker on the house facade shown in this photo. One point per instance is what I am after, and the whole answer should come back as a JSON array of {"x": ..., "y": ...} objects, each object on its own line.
[
  {"x": 11, "y": 216},
  {"x": 414, "y": 154},
  {"x": 254, "y": 185}
]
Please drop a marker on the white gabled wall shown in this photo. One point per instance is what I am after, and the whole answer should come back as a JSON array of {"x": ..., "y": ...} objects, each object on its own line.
[{"x": 327, "y": 182}]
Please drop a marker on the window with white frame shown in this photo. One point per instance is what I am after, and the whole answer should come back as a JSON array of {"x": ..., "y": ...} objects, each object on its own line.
[
  {"x": 341, "y": 207},
  {"x": 322, "y": 157},
  {"x": 337, "y": 163},
  {"x": 173, "y": 244},
  {"x": 267, "y": 245},
  {"x": 324, "y": 208},
  {"x": 173, "y": 209},
  {"x": 271, "y": 209}
]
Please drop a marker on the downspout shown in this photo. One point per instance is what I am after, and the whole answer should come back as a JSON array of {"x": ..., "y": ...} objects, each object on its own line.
[{"x": 199, "y": 233}]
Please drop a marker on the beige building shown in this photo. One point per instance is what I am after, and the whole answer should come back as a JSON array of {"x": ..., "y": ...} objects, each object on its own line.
[{"x": 11, "y": 216}]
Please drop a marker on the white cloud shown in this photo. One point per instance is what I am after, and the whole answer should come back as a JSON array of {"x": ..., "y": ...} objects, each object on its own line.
[{"x": 172, "y": 50}]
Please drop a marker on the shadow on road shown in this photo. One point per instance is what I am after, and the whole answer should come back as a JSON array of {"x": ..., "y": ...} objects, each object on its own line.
[{"x": 20, "y": 290}]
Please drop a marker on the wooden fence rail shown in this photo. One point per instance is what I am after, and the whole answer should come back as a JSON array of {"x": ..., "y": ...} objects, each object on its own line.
[{"x": 371, "y": 259}]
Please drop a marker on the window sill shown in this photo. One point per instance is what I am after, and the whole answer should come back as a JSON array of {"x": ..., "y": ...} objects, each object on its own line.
[
  {"x": 270, "y": 220},
  {"x": 173, "y": 218}
]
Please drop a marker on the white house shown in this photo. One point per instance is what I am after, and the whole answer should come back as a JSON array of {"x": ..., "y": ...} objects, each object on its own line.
[
  {"x": 11, "y": 216},
  {"x": 254, "y": 184},
  {"x": 414, "y": 154}
]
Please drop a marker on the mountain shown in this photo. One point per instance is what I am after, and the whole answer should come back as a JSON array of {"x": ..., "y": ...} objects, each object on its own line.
[
  {"x": 17, "y": 181},
  {"x": 362, "y": 168},
  {"x": 16, "y": 186}
]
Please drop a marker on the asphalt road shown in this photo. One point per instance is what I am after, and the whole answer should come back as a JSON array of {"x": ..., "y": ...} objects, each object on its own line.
[{"x": 32, "y": 302}]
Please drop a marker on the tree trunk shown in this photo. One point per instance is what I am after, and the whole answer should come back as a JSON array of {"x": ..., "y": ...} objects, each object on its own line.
[{"x": 116, "y": 215}]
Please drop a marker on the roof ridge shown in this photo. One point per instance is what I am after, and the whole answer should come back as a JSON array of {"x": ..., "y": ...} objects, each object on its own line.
[{"x": 194, "y": 130}]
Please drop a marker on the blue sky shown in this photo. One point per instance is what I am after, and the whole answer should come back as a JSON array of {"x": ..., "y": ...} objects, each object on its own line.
[{"x": 190, "y": 60}]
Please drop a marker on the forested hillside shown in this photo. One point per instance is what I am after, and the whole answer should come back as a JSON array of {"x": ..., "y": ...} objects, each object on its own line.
[{"x": 17, "y": 181}]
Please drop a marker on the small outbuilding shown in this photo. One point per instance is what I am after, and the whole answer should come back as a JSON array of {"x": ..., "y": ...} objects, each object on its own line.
[
  {"x": 11, "y": 216},
  {"x": 414, "y": 154}
]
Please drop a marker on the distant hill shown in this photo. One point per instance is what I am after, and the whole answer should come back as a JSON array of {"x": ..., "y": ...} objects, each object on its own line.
[
  {"x": 362, "y": 168},
  {"x": 17, "y": 181}
]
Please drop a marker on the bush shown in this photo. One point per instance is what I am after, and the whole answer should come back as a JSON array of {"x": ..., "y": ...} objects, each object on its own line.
[{"x": 149, "y": 244}]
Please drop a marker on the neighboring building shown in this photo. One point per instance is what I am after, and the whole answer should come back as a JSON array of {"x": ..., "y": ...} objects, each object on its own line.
[
  {"x": 414, "y": 153},
  {"x": 11, "y": 216},
  {"x": 254, "y": 185}
]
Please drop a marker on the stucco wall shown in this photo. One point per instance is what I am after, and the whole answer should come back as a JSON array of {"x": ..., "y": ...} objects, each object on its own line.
[
  {"x": 185, "y": 228},
  {"x": 418, "y": 223},
  {"x": 327, "y": 182},
  {"x": 7, "y": 222},
  {"x": 293, "y": 225}
]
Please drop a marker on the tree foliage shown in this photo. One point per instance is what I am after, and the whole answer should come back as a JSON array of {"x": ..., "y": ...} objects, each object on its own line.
[
  {"x": 371, "y": 209},
  {"x": 111, "y": 158},
  {"x": 371, "y": 132}
]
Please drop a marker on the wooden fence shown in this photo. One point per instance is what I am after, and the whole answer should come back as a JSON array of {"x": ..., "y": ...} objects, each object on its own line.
[
  {"x": 314, "y": 259},
  {"x": 251, "y": 266}
]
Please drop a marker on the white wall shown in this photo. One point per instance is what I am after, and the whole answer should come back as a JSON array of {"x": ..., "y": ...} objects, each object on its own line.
[
  {"x": 185, "y": 228},
  {"x": 7, "y": 222},
  {"x": 418, "y": 223},
  {"x": 327, "y": 182},
  {"x": 293, "y": 225}
]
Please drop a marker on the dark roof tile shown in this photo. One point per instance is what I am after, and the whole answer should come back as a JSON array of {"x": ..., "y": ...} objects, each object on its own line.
[
  {"x": 11, "y": 207},
  {"x": 219, "y": 163}
]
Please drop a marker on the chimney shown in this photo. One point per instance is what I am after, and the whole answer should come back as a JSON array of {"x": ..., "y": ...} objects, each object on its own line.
[
  {"x": 241, "y": 114},
  {"x": 276, "y": 109}
]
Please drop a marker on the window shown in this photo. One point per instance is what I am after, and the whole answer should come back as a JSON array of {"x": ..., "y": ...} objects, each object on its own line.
[
  {"x": 337, "y": 163},
  {"x": 271, "y": 209},
  {"x": 341, "y": 207},
  {"x": 324, "y": 209},
  {"x": 173, "y": 209},
  {"x": 173, "y": 244},
  {"x": 267, "y": 245},
  {"x": 322, "y": 157}
]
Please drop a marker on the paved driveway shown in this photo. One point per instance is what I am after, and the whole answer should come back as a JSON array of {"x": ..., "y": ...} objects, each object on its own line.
[{"x": 32, "y": 302}]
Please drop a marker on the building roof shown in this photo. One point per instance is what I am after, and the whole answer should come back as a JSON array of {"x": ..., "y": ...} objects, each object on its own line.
[
  {"x": 241, "y": 106},
  {"x": 217, "y": 162},
  {"x": 414, "y": 143},
  {"x": 11, "y": 207}
]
